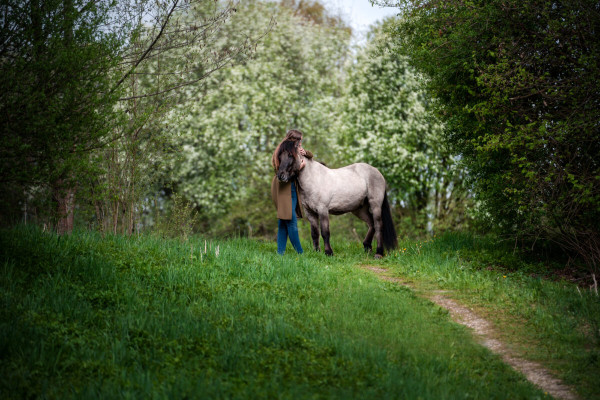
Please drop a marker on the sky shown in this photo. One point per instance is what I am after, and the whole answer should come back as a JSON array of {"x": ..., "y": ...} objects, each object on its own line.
[{"x": 359, "y": 13}]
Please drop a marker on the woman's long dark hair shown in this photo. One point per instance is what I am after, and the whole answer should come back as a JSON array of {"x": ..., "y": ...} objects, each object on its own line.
[{"x": 290, "y": 143}]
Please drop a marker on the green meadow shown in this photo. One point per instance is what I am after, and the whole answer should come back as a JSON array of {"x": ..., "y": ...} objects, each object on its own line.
[{"x": 87, "y": 316}]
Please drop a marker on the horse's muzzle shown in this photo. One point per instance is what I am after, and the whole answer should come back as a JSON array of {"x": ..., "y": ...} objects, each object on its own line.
[{"x": 283, "y": 179}]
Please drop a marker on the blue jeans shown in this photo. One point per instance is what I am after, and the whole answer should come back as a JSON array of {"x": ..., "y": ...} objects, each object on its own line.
[{"x": 289, "y": 227}]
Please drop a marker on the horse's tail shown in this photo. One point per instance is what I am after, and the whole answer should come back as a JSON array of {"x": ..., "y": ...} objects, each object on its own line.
[{"x": 390, "y": 239}]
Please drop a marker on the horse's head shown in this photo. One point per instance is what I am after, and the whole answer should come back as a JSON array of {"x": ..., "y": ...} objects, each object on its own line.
[{"x": 289, "y": 164}]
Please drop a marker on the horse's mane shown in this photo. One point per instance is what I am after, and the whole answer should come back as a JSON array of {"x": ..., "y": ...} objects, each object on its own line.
[
  {"x": 285, "y": 145},
  {"x": 318, "y": 161},
  {"x": 289, "y": 146}
]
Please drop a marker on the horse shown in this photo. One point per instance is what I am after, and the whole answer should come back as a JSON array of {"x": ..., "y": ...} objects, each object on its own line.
[{"x": 357, "y": 188}]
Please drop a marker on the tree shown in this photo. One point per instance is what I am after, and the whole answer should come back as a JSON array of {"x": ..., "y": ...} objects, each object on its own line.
[
  {"x": 388, "y": 122},
  {"x": 55, "y": 98},
  {"x": 180, "y": 50},
  {"x": 230, "y": 132},
  {"x": 519, "y": 89},
  {"x": 80, "y": 76}
]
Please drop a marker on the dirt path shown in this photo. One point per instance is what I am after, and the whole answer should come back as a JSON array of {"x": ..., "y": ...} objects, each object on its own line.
[{"x": 487, "y": 336}]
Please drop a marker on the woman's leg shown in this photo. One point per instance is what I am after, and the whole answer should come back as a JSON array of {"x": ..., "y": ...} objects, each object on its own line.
[
  {"x": 292, "y": 228},
  {"x": 282, "y": 235}
]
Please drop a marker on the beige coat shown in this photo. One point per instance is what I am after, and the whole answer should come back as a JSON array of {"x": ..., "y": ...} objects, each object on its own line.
[
  {"x": 282, "y": 198},
  {"x": 281, "y": 194}
]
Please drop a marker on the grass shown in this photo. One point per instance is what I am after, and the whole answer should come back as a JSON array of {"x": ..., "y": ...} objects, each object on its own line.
[
  {"x": 84, "y": 316},
  {"x": 549, "y": 321}
]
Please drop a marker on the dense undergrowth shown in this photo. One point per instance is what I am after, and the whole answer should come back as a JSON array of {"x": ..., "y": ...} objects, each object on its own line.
[{"x": 88, "y": 316}]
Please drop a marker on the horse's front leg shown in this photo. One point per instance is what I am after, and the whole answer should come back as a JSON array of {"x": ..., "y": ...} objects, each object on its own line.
[
  {"x": 324, "y": 219},
  {"x": 313, "y": 218}
]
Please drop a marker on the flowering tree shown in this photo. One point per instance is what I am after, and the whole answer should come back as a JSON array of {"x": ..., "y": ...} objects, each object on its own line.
[
  {"x": 240, "y": 115},
  {"x": 387, "y": 122},
  {"x": 84, "y": 85}
]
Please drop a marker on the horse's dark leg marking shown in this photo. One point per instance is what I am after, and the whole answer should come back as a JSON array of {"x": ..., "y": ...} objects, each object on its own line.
[
  {"x": 368, "y": 242},
  {"x": 324, "y": 219},
  {"x": 364, "y": 214},
  {"x": 314, "y": 234},
  {"x": 378, "y": 223},
  {"x": 313, "y": 218}
]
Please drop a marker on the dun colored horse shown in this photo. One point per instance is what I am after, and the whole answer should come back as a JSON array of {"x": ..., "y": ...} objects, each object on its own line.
[{"x": 357, "y": 188}]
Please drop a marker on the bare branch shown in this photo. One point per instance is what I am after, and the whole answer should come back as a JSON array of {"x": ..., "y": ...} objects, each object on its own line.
[{"x": 164, "y": 25}]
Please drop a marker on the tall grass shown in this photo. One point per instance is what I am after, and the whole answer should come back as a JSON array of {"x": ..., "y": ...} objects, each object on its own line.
[{"x": 92, "y": 317}]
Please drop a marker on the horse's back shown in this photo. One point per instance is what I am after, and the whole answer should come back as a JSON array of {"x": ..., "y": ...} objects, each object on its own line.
[
  {"x": 343, "y": 189},
  {"x": 369, "y": 174},
  {"x": 361, "y": 179}
]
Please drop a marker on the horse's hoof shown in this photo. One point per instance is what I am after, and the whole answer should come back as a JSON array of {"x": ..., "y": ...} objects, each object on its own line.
[
  {"x": 378, "y": 256},
  {"x": 328, "y": 252},
  {"x": 368, "y": 249}
]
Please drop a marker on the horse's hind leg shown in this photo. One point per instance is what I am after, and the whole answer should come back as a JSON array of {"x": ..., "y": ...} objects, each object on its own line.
[
  {"x": 324, "y": 219},
  {"x": 313, "y": 218},
  {"x": 378, "y": 225},
  {"x": 364, "y": 214}
]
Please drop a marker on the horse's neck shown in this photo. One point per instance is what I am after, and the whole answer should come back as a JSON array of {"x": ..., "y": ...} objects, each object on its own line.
[{"x": 309, "y": 173}]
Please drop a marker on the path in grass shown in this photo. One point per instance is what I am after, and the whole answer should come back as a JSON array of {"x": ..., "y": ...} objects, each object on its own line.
[{"x": 487, "y": 336}]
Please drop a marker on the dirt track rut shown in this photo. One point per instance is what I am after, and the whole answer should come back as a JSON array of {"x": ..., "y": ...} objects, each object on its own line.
[{"x": 487, "y": 336}]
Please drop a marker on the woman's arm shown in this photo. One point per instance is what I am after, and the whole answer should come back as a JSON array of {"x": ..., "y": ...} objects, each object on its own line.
[{"x": 305, "y": 153}]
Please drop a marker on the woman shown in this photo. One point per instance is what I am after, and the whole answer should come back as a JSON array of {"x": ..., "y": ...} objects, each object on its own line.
[{"x": 285, "y": 195}]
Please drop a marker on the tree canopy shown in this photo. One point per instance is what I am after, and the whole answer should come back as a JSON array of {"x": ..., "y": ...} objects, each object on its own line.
[
  {"x": 108, "y": 108},
  {"x": 72, "y": 85},
  {"x": 241, "y": 114},
  {"x": 388, "y": 122},
  {"x": 518, "y": 85}
]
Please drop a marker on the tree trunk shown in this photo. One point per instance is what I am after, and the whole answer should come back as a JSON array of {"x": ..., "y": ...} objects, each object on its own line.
[
  {"x": 65, "y": 201},
  {"x": 63, "y": 192}
]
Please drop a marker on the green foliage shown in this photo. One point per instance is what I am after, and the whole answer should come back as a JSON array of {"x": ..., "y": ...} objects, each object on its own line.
[
  {"x": 518, "y": 88},
  {"x": 56, "y": 101},
  {"x": 179, "y": 221},
  {"x": 162, "y": 71},
  {"x": 87, "y": 316},
  {"x": 533, "y": 302},
  {"x": 315, "y": 11},
  {"x": 85, "y": 90},
  {"x": 241, "y": 113},
  {"x": 388, "y": 123}
]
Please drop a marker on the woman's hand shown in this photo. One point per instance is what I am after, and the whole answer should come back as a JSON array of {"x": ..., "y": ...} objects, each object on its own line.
[{"x": 302, "y": 151}]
